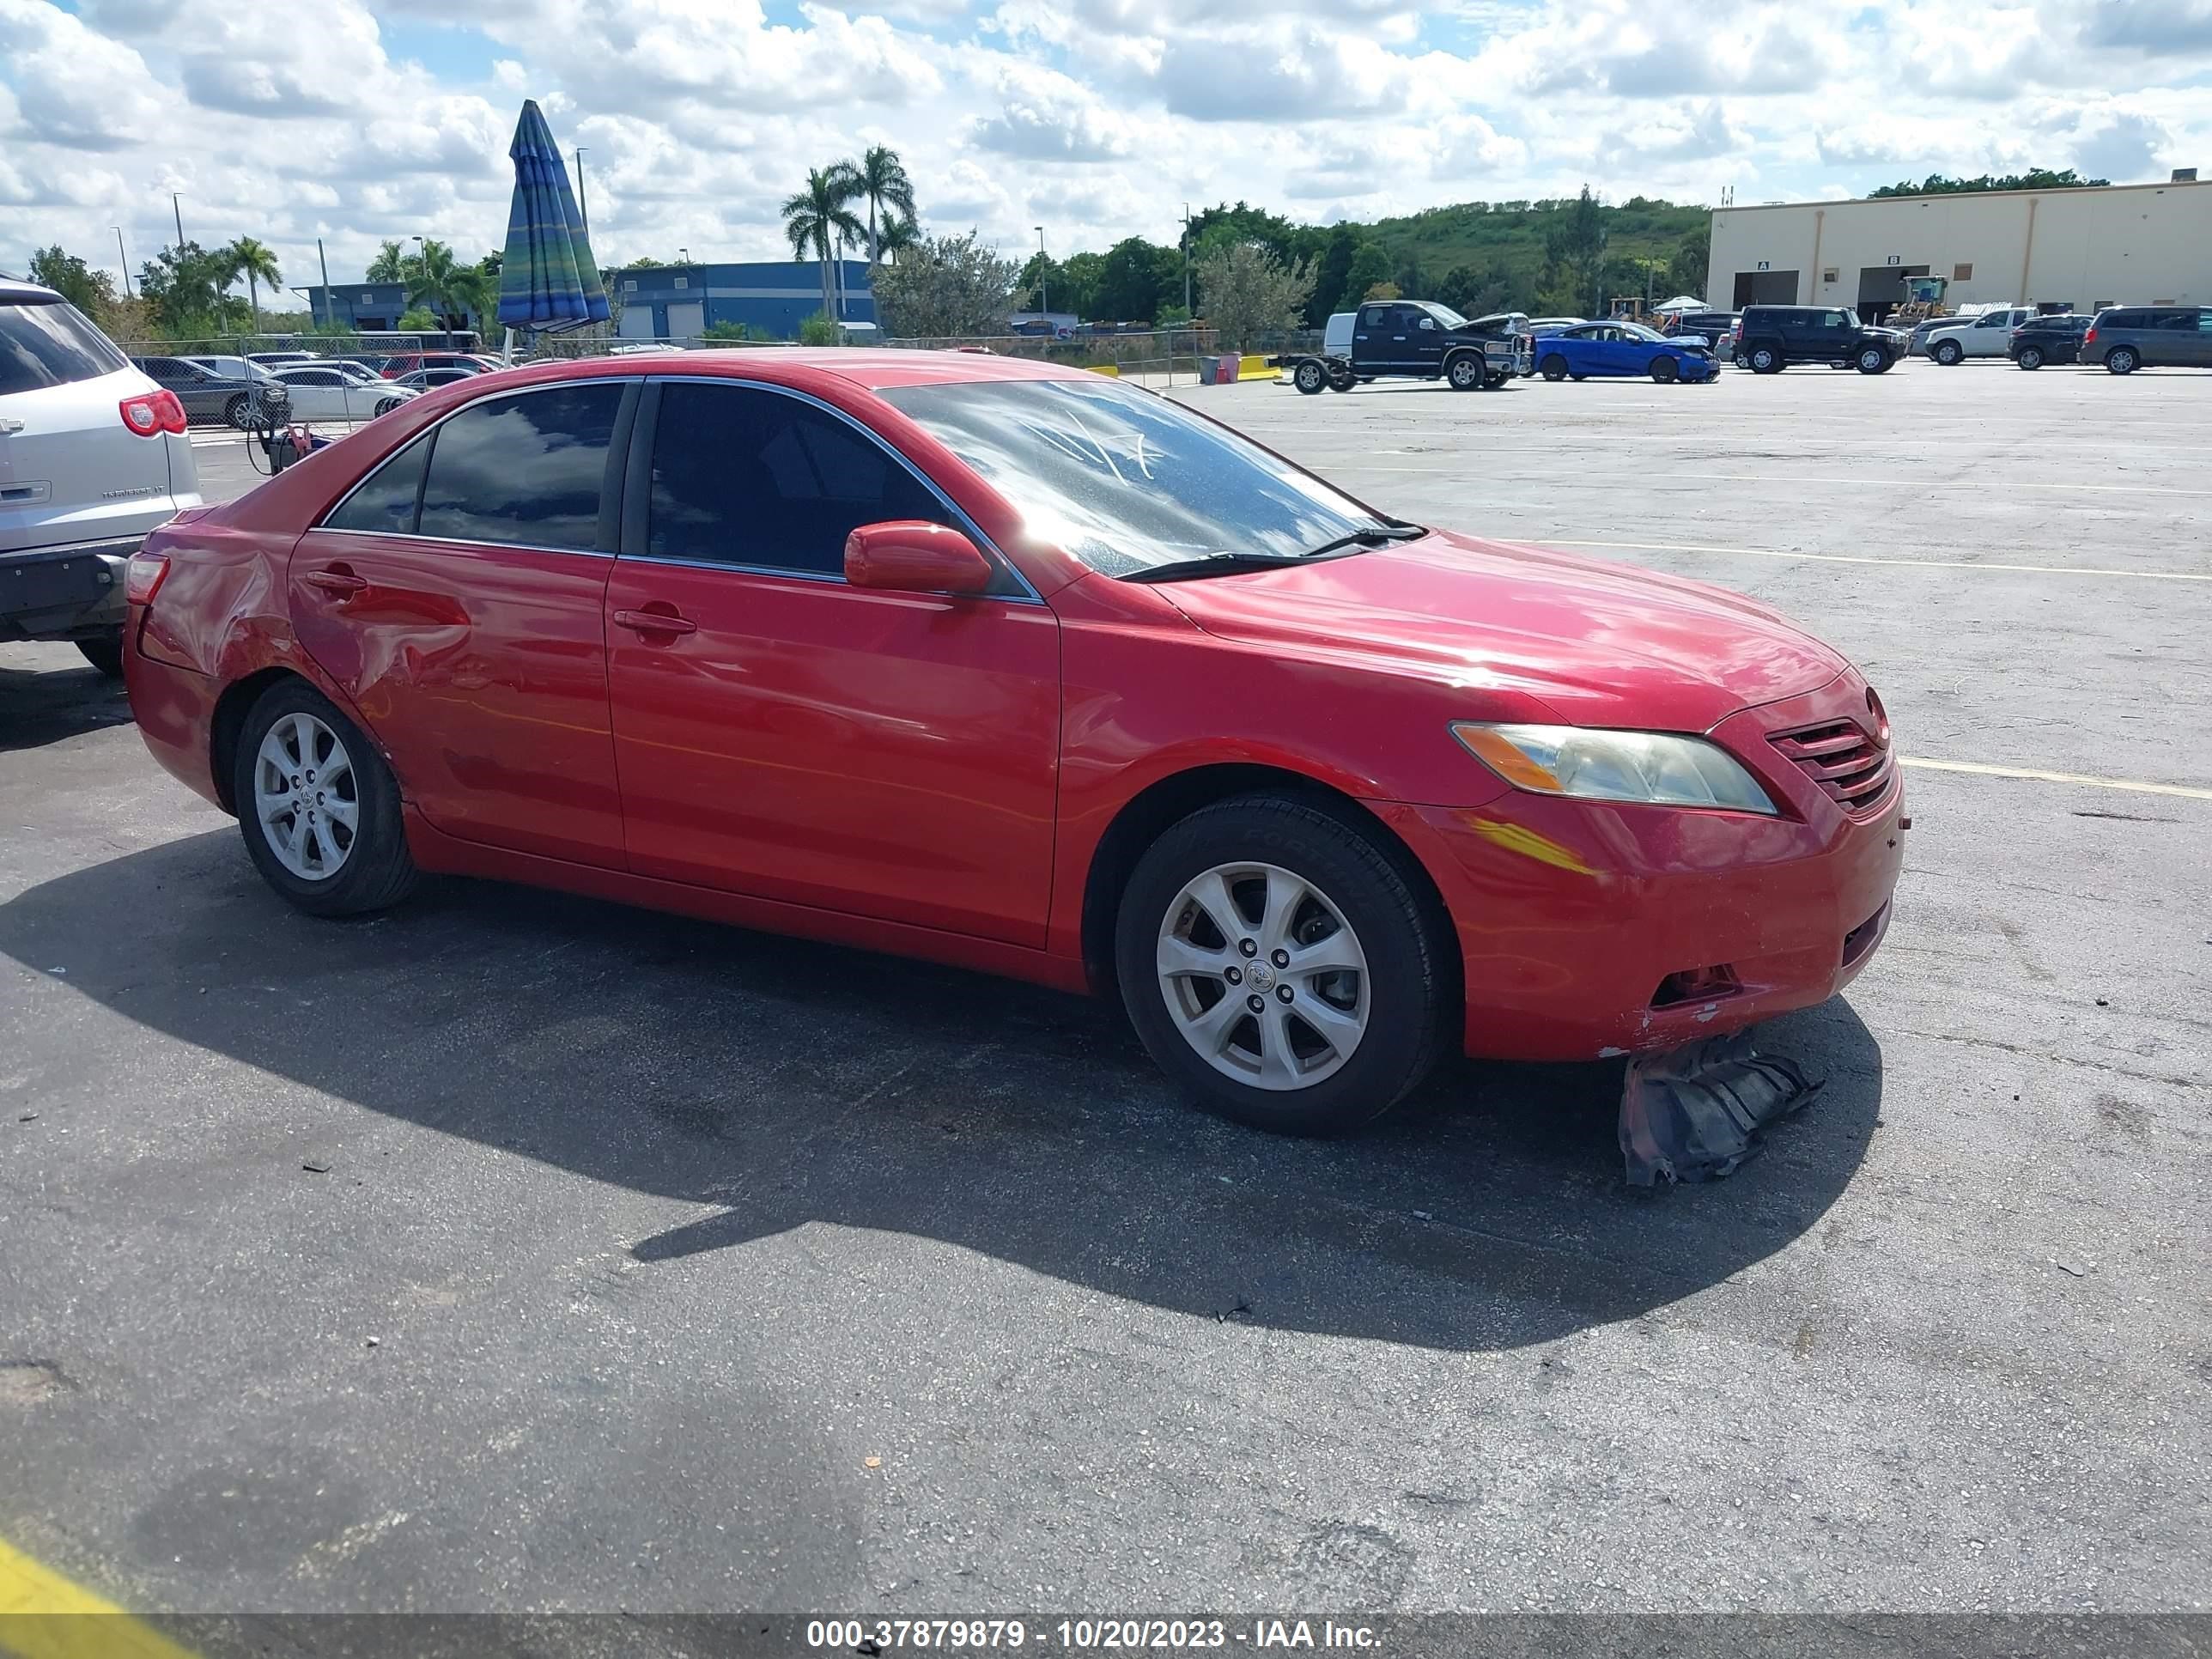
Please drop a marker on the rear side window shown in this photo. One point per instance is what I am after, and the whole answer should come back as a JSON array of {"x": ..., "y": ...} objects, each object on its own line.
[
  {"x": 528, "y": 470},
  {"x": 2174, "y": 322},
  {"x": 44, "y": 345},
  {"x": 384, "y": 502},
  {"x": 751, "y": 478}
]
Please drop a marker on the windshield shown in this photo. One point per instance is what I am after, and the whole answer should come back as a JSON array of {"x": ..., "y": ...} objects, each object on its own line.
[
  {"x": 1444, "y": 314},
  {"x": 1126, "y": 481},
  {"x": 1638, "y": 331},
  {"x": 45, "y": 342}
]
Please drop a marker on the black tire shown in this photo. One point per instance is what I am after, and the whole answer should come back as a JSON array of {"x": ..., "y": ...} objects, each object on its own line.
[
  {"x": 1344, "y": 382},
  {"x": 1573, "y": 376},
  {"x": 377, "y": 871},
  {"x": 104, "y": 654},
  {"x": 1872, "y": 360},
  {"x": 1466, "y": 371},
  {"x": 1950, "y": 353},
  {"x": 386, "y": 405},
  {"x": 1410, "y": 984},
  {"x": 1553, "y": 368},
  {"x": 2122, "y": 360},
  {"x": 1741, "y": 360},
  {"x": 2030, "y": 357},
  {"x": 1309, "y": 378},
  {"x": 1666, "y": 370},
  {"x": 239, "y": 412},
  {"x": 1493, "y": 380},
  {"x": 1764, "y": 359}
]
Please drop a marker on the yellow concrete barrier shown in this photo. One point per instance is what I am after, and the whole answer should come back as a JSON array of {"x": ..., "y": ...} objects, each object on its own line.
[
  {"x": 1253, "y": 366},
  {"x": 1112, "y": 371}
]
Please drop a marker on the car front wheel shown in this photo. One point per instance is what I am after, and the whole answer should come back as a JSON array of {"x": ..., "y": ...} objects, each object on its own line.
[
  {"x": 1553, "y": 368},
  {"x": 318, "y": 808},
  {"x": 1280, "y": 968},
  {"x": 1873, "y": 360},
  {"x": 1950, "y": 353},
  {"x": 1664, "y": 369},
  {"x": 1465, "y": 372}
]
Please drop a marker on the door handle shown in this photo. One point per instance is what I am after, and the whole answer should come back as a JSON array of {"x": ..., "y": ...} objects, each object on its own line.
[
  {"x": 654, "y": 621},
  {"x": 339, "y": 581}
]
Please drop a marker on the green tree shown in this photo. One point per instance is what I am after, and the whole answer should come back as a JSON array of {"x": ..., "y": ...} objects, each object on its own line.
[
  {"x": 898, "y": 236},
  {"x": 183, "y": 289},
  {"x": 438, "y": 281},
  {"x": 746, "y": 331},
  {"x": 90, "y": 291},
  {"x": 1574, "y": 254},
  {"x": 816, "y": 330},
  {"x": 1331, "y": 272},
  {"x": 420, "y": 319},
  {"x": 815, "y": 218},
  {"x": 946, "y": 288},
  {"x": 389, "y": 264},
  {"x": 1369, "y": 269},
  {"x": 1687, "y": 267},
  {"x": 1249, "y": 292},
  {"x": 1129, "y": 288},
  {"x": 879, "y": 178},
  {"x": 255, "y": 261},
  {"x": 1936, "y": 184}
]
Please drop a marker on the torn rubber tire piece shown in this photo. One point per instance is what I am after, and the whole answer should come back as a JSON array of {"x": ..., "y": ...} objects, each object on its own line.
[{"x": 1695, "y": 1113}]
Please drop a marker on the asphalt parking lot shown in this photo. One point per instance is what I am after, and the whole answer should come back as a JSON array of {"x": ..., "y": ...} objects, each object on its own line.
[{"x": 515, "y": 1252}]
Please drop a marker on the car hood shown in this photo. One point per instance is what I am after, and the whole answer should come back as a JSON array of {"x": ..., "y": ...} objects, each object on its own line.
[{"x": 1595, "y": 642}]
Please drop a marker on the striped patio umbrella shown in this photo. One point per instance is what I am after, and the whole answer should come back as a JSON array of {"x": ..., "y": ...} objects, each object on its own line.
[{"x": 548, "y": 280}]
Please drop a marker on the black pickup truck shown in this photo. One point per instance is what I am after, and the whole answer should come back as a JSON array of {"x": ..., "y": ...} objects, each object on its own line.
[{"x": 1416, "y": 339}]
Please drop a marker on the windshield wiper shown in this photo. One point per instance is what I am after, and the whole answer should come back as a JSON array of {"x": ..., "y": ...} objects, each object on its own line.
[
  {"x": 1393, "y": 532},
  {"x": 1213, "y": 564}
]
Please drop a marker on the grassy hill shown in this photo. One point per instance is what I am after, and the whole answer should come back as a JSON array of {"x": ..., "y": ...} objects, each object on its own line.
[{"x": 1510, "y": 238}]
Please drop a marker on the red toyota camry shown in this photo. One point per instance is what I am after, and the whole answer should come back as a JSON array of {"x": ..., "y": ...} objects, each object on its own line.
[{"x": 1018, "y": 668}]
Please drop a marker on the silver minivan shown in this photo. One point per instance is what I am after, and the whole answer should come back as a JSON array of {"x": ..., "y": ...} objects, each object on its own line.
[{"x": 93, "y": 455}]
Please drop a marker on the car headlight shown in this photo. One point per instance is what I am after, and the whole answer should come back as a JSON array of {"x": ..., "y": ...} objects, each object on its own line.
[{"x": 1586, "y": 763}]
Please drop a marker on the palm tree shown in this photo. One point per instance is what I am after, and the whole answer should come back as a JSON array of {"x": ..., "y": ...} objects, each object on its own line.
[
  {"x": 254, "y": 261},
  {"x": 881, "y": 181},
  {"x": 438, "y": 280},
  {"x": 389, "y": 264},
  {"x": 475, "y": 291},
  {"x": 899, "y": 235},
  {"x": 814, "y": 217}
]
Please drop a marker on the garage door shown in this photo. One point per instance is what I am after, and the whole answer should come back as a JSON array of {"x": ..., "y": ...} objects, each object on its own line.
[
  {"x": 1766, "y": 287},
  {"x": 687, "y": 322},
  {"x": 636, "y": 323}
]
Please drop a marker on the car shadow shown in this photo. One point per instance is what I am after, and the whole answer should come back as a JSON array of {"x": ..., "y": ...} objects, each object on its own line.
[
  {"x": 780, "y": 1084},
  {"x": 47, "y": 703}
]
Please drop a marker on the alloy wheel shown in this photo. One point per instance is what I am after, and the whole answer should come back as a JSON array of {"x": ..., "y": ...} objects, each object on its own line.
[
  {"x": 307, "y": 797},
  {"x": 1263, "y": 975}
]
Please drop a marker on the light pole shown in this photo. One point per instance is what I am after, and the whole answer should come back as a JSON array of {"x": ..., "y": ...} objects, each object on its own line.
[
  {"x": 176, "y": 208},
  {"x": 1186, "y": 258},
  {"x": 682, "y": 256},
  {"x": 1044, "y": 264},
  {"x": 583, "y": 202},
  {"x": 125, "y": 259}
]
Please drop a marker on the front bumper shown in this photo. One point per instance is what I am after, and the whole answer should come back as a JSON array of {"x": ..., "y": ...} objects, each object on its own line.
[{"x": 67, "y": 592}]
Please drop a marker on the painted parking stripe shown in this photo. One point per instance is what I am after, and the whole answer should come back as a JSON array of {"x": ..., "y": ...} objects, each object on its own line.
[
  {"x": 1862, "y": 558},
  {"x": 43, "y": 1615},
  {"x": 2186, "y": 792}
]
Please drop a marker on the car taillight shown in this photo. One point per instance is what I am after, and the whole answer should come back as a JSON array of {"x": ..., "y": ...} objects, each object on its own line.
[
  {"x": 151, "y": 413},
  {"x": 142, "y": 576},
  {"x": 2090, "y": 338}
]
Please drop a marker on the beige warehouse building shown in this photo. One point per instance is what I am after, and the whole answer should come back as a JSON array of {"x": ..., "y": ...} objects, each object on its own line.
[{"x": 2112, "y": 245}]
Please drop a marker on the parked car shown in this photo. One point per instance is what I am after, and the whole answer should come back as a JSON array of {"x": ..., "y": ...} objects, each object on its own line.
[
  {"x": 408, "y": 363},
  {"x": 1714, "y": 327},
  {"x": 93, "y": 455},
  {"x": 1415, "y": 339},
  {"x": 1772, "y": 337},
  {"x": 423, "y": 379},
  {"x": 236, "y": 368},
  {"x": 234, "y": 400},
  {"x": 321, "y": 393},
  {"x": 1986, "y": 336},
  {"x": 2056, "y": 339},
  {"x": 1321, "y": 793},
  {"x": 2126, "y": 339},
  {"x": 278, "y": 359},
  {"x": 1611, "y": 348},
  {"x": 1542, "y": 326}
]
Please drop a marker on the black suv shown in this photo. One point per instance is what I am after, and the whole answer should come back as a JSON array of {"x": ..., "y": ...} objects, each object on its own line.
[
  {"x": 2053, "y": 339},
  {"x": 1774, "y": 336}
]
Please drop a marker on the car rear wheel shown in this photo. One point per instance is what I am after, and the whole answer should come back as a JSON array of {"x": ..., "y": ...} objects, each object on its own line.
[
  {"x": 2122, "y": 360},
  {"x": 1310, "y": 379},
  {"x": 1553, "y": 368},
  {"x": 106, "y": 655},
  {"x": 1465, "y": 372},
  {"x": 1280, "y": 967},
  {"x": 1766, "y": 359},
  {"x": 2030, "y": 357},
  {"x": 318, "y": 808},
  {"x": 1950, "y": 353},
  {"x": 1873, "y": 360},
  {"x": 1664, "y": 369}
]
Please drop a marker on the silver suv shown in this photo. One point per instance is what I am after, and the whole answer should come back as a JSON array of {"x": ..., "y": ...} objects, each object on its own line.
[{"x": 93, "y": 455}]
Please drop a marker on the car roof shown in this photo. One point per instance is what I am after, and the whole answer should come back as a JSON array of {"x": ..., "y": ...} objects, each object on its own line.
[
  {"x": 872, "y": 369},
  {"x": 15, "y": 293}
]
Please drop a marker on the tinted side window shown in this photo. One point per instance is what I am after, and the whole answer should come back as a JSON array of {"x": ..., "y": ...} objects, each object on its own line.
[
  {"x": 52, "y": 344},
  {"x": 527, "y": 469},
  {"x": 2174, "y": 322},
  {"x": 746, "y": 476},
  {"x": 384, "y": 502}
]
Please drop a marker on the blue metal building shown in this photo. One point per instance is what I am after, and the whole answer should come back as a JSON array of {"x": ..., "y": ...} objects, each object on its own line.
[
  {"x": 371, "y": 307},
  {"x": 681, "y": 303}
]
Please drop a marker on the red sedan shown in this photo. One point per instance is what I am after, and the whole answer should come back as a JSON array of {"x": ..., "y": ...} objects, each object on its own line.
[{"x": 1018, "y": 668}]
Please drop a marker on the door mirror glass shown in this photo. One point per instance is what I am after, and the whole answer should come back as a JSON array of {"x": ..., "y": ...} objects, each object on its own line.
[
  {"x": 1428, "y": 322},
  {"x": 915, "y": 556}
]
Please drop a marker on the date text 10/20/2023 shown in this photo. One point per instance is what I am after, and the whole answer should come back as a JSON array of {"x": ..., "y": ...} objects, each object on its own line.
[{"x": 872, "y": 1636}]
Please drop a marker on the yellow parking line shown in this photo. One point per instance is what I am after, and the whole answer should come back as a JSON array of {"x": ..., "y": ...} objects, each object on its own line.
[
  {"x": 2185, "y": 791},
  {"x": 43, "y": 1615},
  {"x": 1859, "y": 558}
]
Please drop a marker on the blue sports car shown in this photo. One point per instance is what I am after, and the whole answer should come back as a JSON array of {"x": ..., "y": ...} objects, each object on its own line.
[{"x": 1623, "y": 349}]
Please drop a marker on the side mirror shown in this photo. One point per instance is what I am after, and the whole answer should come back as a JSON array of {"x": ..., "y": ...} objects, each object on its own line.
[{"x": 915, "y": 557}]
